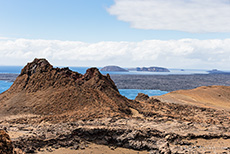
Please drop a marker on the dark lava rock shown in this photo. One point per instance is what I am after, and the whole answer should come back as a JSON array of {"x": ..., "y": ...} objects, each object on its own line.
[
  {"x": 6, "y": 146},
  {"x": 75, "y": 146},
  {"x": 30, "y": 150},
  {"x": 164, "y": 148}
]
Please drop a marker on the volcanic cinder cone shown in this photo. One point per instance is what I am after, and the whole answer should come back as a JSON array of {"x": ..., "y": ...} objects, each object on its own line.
[{"x": 41, "y": 89}]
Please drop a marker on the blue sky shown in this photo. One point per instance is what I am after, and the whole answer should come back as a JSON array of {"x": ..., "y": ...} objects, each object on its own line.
[
  {"x": 142, "y": 32},
  {"x": 77, "y": 20}
]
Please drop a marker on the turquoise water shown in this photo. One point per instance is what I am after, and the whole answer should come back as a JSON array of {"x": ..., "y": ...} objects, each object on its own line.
[
  {"x": 132, "y": 93},
  {"x": 4, "y": 85},
  {"x": 129, "y": 93}
]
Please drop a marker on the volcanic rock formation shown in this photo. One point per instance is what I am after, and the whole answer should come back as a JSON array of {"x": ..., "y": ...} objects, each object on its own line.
[
  {"x": 5, "y": 143},
  {"x": 141, "y": 97},
  {"x": 42, "y": 89}
]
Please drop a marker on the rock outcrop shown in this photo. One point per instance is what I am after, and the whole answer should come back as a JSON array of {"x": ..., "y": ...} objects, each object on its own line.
[
  {"x": 6, "y": 146},
  {"x": 141, "y": 97},
  {"x": 42, "y": 89}
]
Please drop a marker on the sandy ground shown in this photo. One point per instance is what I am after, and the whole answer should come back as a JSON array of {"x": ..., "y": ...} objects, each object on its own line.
[
  {"x": 214, "y": 146},
  {"x": 94, "y": 149},
  {"x": 217, "y": 97},
  {"x": 90, "y": 149}
]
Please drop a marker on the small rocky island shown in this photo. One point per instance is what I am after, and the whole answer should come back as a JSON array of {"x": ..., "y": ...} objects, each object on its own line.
[
  {"x": 150, "y": 69},
  {"x": 113, "y": 69},
  {"x": 215, "y": 71}
]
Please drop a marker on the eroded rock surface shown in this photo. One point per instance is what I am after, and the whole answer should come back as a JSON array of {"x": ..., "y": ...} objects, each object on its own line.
[
  {"x": 5, "y": 143},
  {"x": 141, "y": 97}
]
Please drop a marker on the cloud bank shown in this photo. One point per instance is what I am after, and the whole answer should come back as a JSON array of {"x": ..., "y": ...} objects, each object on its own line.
[
  {"x": 183, "y": 15},
  {"x": 184, "y": 53}
]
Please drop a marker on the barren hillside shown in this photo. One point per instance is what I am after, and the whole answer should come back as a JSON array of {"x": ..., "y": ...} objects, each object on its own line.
[{"x": 206, "y": 96}]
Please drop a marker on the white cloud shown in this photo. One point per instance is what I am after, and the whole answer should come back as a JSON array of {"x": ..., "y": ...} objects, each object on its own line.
[
  {"x": 184, "y": 53},
  {"x": 4, "y": 38},
  {"x": 182, "y": 15}
]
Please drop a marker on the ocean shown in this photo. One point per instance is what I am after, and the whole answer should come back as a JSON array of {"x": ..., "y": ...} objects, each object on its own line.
[
  {"x": 132, "y": 93},
  {"x": 129, "y": 93},
  {"x": 4, "y": 85}
]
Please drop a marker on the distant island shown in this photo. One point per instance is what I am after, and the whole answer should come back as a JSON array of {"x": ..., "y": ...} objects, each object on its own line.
[
  {"x": 113, "y": 69},
  {"x": 150, "y": 69},
  {"x": 215, "y": 71}
]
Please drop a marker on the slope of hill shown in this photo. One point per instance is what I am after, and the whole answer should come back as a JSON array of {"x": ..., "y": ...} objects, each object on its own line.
[
  {"x": 206, "y": 96},
  {"x": 42, "y": 89}
]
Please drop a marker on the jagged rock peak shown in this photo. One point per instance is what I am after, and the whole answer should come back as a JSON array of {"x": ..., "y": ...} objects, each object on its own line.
[
  {"x": 40, "y": 75},
  {"x": 38, "y": 65},
  {"x": 42, "y": 65},
  {"x": 91, "y": 72}
]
